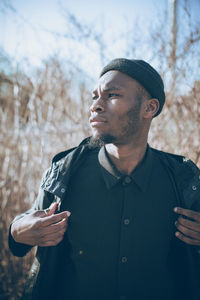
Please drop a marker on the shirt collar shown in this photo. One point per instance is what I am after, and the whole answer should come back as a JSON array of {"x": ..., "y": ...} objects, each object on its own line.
[{"x": 140, "y": 174}]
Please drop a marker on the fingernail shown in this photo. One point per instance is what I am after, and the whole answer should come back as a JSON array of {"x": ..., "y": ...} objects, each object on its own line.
[
  {"x": 68, "y": 214},
  {"x": 176, "y": 223},
  {"x": 176, "y": 209},
  {"x": 176, "y": 233}
]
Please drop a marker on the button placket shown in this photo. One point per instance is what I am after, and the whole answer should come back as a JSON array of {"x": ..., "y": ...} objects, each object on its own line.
[
  {"x": 124, "y": 259},
  {"x": 126, "y": 221},
  {"x": 80, "y": 252},
  {"x": 126, "y": 180}
]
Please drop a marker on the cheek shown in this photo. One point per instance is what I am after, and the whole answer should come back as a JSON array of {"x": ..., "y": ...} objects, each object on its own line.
[
  {"x": 119, "y": 121},
  {"x": 117, "y": 107}
]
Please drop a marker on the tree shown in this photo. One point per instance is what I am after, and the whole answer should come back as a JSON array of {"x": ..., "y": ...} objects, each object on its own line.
[{"x": 47, "y": 111}]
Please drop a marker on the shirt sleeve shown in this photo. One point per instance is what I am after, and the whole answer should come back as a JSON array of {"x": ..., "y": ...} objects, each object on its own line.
[{"x": 17, "y": 249}]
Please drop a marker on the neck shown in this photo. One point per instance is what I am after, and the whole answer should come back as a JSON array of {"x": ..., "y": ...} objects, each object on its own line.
[{"x": 126, "y": 157}]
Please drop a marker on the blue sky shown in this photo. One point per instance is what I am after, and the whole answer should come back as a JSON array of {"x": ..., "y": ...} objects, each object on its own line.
[
  {"x": 19, "y": 38},
  {"x": 25, "y": 36}
]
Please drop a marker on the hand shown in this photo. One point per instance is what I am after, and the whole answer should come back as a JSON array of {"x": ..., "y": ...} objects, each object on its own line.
[
  {"x": 188, "y": 229},
  {"x": 41, "y": 228}
]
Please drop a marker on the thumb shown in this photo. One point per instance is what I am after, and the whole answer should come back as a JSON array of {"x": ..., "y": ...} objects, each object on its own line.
[{"x": 50, "y": 210}]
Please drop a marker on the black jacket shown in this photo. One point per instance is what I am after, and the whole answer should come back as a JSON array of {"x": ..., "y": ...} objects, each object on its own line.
[{"x": 186, "y": 179}]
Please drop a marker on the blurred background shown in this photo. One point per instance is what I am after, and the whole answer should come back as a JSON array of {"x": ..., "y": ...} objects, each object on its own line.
[{"x": 51, "y": 53}]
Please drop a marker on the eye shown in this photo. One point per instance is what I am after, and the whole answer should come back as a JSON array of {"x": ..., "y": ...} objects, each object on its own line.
[
  {"x": 113, "y": 95},
  {"x": 94, "y": 97}
]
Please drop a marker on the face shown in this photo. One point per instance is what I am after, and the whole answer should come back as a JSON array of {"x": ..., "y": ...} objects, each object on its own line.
[{"x": 116, "y": 109}]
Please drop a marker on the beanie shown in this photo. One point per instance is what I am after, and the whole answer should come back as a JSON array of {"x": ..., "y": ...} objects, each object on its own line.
[{"x": 143, "y": 72}]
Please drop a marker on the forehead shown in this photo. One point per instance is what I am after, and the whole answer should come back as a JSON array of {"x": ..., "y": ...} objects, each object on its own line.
[{"x": 116, "y": 79}]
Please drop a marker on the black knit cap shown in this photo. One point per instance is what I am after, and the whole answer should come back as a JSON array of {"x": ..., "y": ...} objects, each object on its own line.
[{"x": 143, "y": 72}]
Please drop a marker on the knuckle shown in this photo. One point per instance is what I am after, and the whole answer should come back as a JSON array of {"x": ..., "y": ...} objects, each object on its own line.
[
  {"x": 55, "y": 242},
  {"x": 64, "y": 229},
  {"x": 37, "y": 213},
  {"x": 43, "y": 239},
  {"x": 59, "y": 239},
  {"x": 51, "y": 243},
  {"x": 195, "y": 242},
  {"x": 48, "y": 244},
  {"x": 37, "y": 223},
  {"x": 186, "y": 231},
  {"x": 182, "y": 220},
  {"x": 180, "y": 235}
]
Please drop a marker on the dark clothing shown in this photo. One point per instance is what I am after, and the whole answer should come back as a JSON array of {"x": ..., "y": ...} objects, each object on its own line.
[
  {"x": 121, "y": 230},
  {"x": 120, "y": 239}
]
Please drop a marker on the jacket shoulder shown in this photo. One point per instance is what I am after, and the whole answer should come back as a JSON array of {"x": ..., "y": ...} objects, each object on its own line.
[
  {"x": 63, "y": 166},
  {"x": 62, "y": 155},
  {"x": 186, "y": 175},
  {"x": 175, "y": 160}
]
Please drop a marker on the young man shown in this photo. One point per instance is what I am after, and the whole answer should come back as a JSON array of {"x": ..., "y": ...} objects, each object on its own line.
[{"x": 114, "y": 218}]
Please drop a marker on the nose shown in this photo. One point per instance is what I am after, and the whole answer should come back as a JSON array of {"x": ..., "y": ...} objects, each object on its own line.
[{"x": 97, "y": 106}]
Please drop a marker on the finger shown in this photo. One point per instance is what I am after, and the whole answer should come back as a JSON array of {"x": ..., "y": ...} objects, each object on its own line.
[
  {"x": 52, "y": 236},
  {"x": 187, "y": 240},
  {"x": 188, "y": 213},
  {"x": 42, "y": 234},
  {"x": 189, "y": 224},
  {"x": 188, "y": 232},
  {"x": 50, "y": 210},
  {"x": 51, "y": 240},
  {"x": 50, "y": 243},
  {"x": 55, "y": 218},
  {"x": 62, "y": 225}
]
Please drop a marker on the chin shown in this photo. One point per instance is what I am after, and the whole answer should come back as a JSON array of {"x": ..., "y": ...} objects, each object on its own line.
[{"x": 105, "y": 138}]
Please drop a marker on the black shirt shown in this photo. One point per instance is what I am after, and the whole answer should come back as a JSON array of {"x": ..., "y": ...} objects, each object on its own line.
[{"x": 120, "y": 239}]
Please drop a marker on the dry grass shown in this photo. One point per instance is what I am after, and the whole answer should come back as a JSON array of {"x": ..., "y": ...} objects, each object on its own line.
[
  {"x": 37, "y": 121},
  {"x": 41, "y": 118}
]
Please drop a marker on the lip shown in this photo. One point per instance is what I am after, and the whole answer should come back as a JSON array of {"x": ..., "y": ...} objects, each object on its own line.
[{"x": 96, "y": 121}]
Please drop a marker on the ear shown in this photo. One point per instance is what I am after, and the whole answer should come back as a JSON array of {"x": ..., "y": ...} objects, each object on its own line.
[{"x": 151, "y": 107}]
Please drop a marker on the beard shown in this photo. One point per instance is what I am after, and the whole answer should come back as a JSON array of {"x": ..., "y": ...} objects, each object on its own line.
[
  {"x": 100, "y": 141},
  {"x": 130, "y": 127}
]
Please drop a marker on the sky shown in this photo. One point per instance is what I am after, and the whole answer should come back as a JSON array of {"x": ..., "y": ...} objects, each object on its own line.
[{"x": 25, "y": 35}]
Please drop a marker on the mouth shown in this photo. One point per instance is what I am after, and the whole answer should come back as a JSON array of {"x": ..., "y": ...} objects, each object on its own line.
[{"x": 95, "y": 122}]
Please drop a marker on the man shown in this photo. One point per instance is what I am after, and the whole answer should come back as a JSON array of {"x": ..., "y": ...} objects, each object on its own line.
[{"x": 114, "y": 218}]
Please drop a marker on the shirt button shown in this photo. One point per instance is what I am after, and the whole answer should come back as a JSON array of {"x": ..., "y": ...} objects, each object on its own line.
[
  {"x": 126, "y": 180},
  {"x": 126, "y": 221},
  {"x": 62, "y": 190},
  {"x": 124, "y": 259},
  {"x": 80, "y": 252},
  {"x": 194, "y": 188}
]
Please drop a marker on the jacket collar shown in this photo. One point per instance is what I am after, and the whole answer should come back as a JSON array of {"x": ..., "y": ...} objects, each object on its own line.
[{"x": 56, "y": 180}]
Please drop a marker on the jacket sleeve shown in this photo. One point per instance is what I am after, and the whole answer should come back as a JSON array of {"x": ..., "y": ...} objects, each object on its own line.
[{"x": 44, "y": 199}]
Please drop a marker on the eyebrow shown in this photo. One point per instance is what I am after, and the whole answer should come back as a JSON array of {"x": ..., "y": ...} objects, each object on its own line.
[{"x": 110, "y": 89}]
